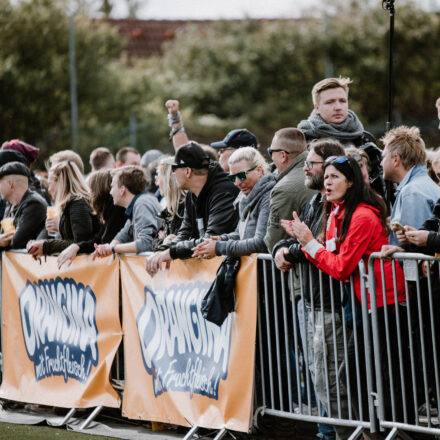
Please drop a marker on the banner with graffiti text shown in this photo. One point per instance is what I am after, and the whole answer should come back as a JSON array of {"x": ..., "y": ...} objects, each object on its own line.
[
  {"x": 180, "y": 368},
  {"x": 61, "y": 330}
]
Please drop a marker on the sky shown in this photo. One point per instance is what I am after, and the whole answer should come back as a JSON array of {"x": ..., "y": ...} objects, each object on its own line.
[{"x": 229, "y": 9}]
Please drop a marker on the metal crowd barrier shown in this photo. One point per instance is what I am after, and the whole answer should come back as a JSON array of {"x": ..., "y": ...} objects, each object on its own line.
[
  {"x": 385, "y": 376},
  {"x": 286, "y": 376},
  {"x": 406, "y": 343}
]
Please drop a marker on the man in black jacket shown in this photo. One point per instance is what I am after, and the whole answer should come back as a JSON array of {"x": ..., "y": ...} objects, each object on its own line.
[
  {"x": 209, "y": 208},
  {"x": 25, "y": 207}
]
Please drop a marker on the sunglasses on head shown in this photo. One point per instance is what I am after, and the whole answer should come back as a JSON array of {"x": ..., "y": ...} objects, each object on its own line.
[{"x": 241, "y": 176}]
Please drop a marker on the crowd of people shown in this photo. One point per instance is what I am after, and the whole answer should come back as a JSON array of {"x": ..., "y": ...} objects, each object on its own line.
[{"x": 329, "y": 195}]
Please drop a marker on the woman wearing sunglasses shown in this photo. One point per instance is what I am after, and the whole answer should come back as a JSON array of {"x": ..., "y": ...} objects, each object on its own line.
[
  {"x": 250, "y": 173},
  {"x": 354, "y": 227}
]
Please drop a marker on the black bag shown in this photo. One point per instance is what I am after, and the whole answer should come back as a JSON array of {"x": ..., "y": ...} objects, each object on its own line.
[{"x": 220, "y": 298}]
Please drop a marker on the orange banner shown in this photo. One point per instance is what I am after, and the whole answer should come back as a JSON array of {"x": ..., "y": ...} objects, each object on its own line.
[
  {"x": 180, "y": 368},
  {"x": 61, "y": 331}
]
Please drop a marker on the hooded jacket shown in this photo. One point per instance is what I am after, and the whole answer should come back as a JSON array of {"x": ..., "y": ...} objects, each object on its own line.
[
  {"x": 211, "y": 213},
  {"x": 252, "y": 226},
  {"x": 365, "y": 235}
]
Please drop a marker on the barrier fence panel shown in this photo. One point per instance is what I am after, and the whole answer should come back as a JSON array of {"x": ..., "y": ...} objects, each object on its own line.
[
  {"x": 179, "y": 367},
  {"x": 406, "y": 347},
  {"x": 314, "y": 354},
  {"x": 60, "y": 331}
]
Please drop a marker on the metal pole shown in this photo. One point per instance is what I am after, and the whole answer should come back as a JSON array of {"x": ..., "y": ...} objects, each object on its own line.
[
  {"x": 133, "y": 129},
  {"x": 73, "y": 89},
  {"x": 388, "y": 5}
]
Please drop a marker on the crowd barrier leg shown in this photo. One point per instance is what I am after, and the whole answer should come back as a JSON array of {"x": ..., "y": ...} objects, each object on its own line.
[
  {"x": 91, "y": 417},
  {"x": 68, "y": 416},
  {"x": 191, "y": 432}
]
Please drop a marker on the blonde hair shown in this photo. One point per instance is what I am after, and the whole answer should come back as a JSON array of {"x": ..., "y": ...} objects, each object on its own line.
[
  {"x": 407, "y": 143},
  {"x": 252, "y": 156},
  {"x": 67, "y": 155},
  {"x": 329, "y": 83},
  {"x": 70, "y": 183},
  {"x": 173, "y": 194}
]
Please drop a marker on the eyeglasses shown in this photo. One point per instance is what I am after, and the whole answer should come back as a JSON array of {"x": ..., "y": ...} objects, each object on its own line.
[
  {"x": 270, "y": 151},
  {"x": 241, "y": 176},
  {"x": 222, "y": 150},
  {"x": 310, "y": 163}
]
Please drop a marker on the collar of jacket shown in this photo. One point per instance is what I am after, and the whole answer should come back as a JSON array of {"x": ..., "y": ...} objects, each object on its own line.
[
  {"x": 298, "y": 162},
  {"x": 415, "y": 171}
]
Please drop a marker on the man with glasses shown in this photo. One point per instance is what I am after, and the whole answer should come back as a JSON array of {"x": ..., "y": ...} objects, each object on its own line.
[
  {"x": 288, "y": 152},
  {"x": 209, "y": 204},
  {"x": 288, "y": 252},
  {"x": 234, "y": 139}
]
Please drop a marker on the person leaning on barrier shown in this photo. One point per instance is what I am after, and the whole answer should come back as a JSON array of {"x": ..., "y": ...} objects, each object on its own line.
[
  {"x": 27, "y": 208},
  {"x": 249, "y": 172},
  {"x": 111, "y": 218},
  {"x": 354, "y": 226},
  {"x": 404, "y": 162},
  {"x": 142, "y": 209},
  {"x": 288, "y": 151},
  {"x": 71, "y": 194},
  {"x": 209, "y": 204},
  {"x": 174, "y": 201}
]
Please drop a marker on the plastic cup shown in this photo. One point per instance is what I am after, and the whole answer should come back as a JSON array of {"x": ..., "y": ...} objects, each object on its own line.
[
  {"x": 52, "y": 212},
  {"x": 8, "y": 225}
]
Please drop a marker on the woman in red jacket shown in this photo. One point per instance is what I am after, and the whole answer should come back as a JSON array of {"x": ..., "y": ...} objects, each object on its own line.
[{"x": 354, "y": 227}]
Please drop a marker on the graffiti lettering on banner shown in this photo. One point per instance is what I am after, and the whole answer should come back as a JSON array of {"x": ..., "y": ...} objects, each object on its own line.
[
  {"x": 58, "y": 319},
  {"x": 180, "y": 349}
]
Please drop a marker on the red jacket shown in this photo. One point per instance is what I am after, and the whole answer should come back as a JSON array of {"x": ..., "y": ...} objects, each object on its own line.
[{"x": 365, "y": 235}]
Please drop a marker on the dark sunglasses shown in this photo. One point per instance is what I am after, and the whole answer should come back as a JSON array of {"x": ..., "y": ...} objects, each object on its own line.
[
  {"x": 271, "y": 150},
  {"x": 336, "y": 159},
  {"x": 241, "y": 176}
]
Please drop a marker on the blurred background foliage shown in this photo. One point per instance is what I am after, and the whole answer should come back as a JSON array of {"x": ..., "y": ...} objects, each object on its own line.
[{"x": 256, "y": 74}]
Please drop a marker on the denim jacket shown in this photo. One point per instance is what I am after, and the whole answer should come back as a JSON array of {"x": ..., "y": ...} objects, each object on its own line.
[{"x": 416, "y": 196}]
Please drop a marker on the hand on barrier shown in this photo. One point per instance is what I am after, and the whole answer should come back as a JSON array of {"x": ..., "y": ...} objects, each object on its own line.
[
  {"x": 419, "y": 238},
  {"x": 35, "y": 248},
  {"x": 154, "y": 263},
  {"x": 5, "y": 239},
  {"x": 388, "y": 250},
  {"x": 102, "y": 250},
  {"x": 280, "y": 261},
  {"x": 301, "y": 230},
  {"x": 68, "y": 255},
  {"x": 205, "y": 249},
  {"x": 172, "y": 106}
]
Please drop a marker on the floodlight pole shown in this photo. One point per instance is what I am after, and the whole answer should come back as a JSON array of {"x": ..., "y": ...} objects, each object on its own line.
[{"x": 388, "y": 5}]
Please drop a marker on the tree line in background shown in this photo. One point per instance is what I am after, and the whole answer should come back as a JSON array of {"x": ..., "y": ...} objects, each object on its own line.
[{"x": 254, "y": 74}]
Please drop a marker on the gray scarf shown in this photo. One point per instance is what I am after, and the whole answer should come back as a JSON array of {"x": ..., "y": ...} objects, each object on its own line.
[{"x": 315, "y": 127}]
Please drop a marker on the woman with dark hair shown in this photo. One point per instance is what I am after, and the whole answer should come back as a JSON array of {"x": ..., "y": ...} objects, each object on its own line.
[
  {"x": 76, "y": 224},
  {"x": 354, "y": 226},
  {"x": 111, "y": 218}
]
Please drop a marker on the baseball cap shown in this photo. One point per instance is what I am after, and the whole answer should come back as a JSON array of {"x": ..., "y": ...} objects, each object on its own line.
[
  {"x": 240, "y": 137},
  {"x": 14, "y": 168},
  {"x": 191, "y": 155}
]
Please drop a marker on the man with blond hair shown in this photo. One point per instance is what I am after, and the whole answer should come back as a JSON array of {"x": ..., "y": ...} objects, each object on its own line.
[
  {"x": 331, "y": 118},
  {"x": 404, "y": 162}
]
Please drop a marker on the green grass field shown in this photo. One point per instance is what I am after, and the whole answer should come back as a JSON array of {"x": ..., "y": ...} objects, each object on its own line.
[{"x": 12, "y": 431}]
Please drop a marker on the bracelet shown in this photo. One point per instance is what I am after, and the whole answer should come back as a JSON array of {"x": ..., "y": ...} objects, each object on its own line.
[{"x": 174, "y": 131}]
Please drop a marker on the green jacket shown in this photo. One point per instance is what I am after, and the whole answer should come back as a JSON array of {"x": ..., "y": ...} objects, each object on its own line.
[{"x": 288, "y": 195}]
